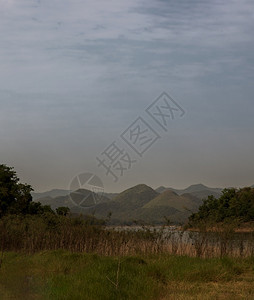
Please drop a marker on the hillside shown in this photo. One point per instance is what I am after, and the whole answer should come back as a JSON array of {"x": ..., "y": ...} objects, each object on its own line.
[
  {"x": 76, "y": 200},
  {"x": 110, "y": 195},
  {"x": 198, "y": 190},
  {"x": 136, "y": 196},
  {"x": 55, "y": 202},
  {"x": 171, "y": 206},
  {"x": 142, "y": 203},
  {"x": 125, "y": 205},
  {"x": 171, "y": 199},
  {"x": 138, "y": 203},
  {"x": 52, "y": 193}
]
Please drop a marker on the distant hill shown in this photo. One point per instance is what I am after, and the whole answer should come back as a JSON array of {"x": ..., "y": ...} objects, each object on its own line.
[
  {"x": 158, "y": 215},
  {"x": 142, "y": 203},
  {"x": 53, "y": 193},
  {"x": 125, "y": 205},
  {"x": 139, "y": 203},
  {"x": 76, "y": 200},
  {"x": 198, "y": 190},
  {"x": 110, "y": 195},
  {"x": 171, "y": 199},
  {"x": 205, "y": 193},
  {"x": 85, "y": 198},
  {"x": 136, "y": 196},
  {"x": 172, "y": 206},
  {"x": 56, "y": 202}
]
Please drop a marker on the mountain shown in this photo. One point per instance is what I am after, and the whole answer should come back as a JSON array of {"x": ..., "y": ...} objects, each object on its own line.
[
  {"x": 136, "y": 196},
  {"x": 205, "y": 193},
  {"x": 86, "y": 198},
  {"x": 198, "y": 190},
  {"x": 142, "y": 203},
  {"x": 159, "y": 215},
  {"x": 53, "y": 193},
  {"x": 110, "y": 195},
  {"x": 162, "y": 189},
  {"x": 170, "y": 205},
  {"x": 125, "y": 205},
  {"x": 56, "y": 202},
  {"x": 171, "y": 199},
  {"x": 76, "y": 200},
  {"x": 138, "y": 203}
]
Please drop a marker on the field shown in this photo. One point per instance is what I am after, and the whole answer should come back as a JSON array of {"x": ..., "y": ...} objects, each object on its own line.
[
  {"x": 54, "y": 257},
  {"x": 64, "y": 275}
]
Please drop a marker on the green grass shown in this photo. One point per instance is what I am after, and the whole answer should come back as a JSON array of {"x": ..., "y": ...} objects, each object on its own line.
[{"x": 64, "y": 275}]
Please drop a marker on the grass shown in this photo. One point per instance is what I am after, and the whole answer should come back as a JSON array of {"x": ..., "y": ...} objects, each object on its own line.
[
  {"x": 53, "y": 257},
  {"x": 64, "y": 275},
  {"x": 31, "y": 234}
]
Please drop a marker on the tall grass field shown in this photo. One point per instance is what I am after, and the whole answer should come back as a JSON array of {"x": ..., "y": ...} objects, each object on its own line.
[
  {"x": 64, "y": 275},
  {"x": 52, "y": 257}
]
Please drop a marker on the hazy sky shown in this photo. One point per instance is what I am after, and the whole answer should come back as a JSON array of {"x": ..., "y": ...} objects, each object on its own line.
[{"x": 75, "y": 74}]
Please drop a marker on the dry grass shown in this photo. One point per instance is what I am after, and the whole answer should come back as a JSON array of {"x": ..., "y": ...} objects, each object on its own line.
[
  {"x": 209, "y": 291},
  {"x": 34, "y": 234}
]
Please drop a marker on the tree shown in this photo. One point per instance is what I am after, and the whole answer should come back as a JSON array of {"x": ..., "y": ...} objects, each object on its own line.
[
  {"x": 63, "y": 211},
  {"x": 233, "y": 204},
  {"x": 15, "y": 197}
]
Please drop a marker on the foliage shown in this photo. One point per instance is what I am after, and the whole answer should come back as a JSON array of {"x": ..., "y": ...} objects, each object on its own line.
[
  {"x": 233, "y": 204},
  {"x": 15, "y": 197},
  {"x": 33, "y": 233},
  {"x": 62, "y": 211},
  {"x": 64, "y": 275}
]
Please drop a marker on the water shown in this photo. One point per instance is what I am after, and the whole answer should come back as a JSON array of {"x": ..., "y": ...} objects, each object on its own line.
[{"x": 219, "y": 243}]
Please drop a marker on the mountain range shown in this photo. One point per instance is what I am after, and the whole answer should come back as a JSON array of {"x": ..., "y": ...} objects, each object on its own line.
[
  {"x": 199, "y": 190},
  {"x": 140, "y": 203},
  {"x": 53, "y": 193}
]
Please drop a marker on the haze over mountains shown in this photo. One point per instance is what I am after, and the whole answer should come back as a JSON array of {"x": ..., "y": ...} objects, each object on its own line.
[
  {"x": 199, "y": 190},
  {"x": 53, "y": 193},
  {"x": 140, "y": 203}
]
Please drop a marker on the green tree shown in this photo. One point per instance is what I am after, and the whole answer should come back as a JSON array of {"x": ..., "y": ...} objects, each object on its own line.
[
  {"x": 63, "y": 211},
  {"x": 15, "y": 197},
  {"x": 233, "y": 204}
]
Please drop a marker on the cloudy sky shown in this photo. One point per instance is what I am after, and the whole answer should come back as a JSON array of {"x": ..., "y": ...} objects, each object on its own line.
[{"x": 75, "y": 74}]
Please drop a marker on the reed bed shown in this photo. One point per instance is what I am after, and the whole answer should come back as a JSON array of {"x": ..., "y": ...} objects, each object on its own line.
[{"x": 34, "y": 234}]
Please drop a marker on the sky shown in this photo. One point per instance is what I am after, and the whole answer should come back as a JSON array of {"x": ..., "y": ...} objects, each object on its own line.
[{"x": 76, "y": 75}]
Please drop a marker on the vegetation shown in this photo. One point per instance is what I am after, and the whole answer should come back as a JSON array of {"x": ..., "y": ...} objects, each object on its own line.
[
  {"x": 233, "y": 205},
  {"x": 62, "y": 211},
  {"x": 54, "y": 255},
  {"x": 65, "y": 275},
  {"x": 15, "y": 197},
  {"x": 31, "y": 234}
]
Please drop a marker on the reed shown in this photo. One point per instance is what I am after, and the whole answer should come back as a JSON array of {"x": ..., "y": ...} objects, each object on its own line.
[{"x": 31, "y": 234}]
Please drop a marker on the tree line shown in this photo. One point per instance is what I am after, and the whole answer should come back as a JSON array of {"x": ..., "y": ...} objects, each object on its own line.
[{"x": 233, "y": 205}]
